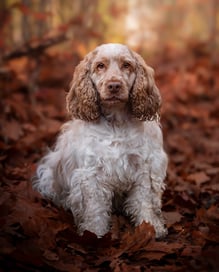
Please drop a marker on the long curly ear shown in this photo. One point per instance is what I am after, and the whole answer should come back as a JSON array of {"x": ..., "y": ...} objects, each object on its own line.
[
  {"x": 82, "y": 100},
  {"x": 145, "y": 100}
]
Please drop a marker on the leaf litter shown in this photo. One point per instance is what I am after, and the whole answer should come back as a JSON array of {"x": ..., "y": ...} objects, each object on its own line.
[{"x": 38, "y": 236}]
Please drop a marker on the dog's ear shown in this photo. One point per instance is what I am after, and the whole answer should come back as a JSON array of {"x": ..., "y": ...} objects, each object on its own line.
[
  {"x": 145, "y": 99},
  {"x": 82, "y": 100}
]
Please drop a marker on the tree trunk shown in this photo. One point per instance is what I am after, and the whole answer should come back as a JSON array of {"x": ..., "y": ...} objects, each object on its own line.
[{"x": 25, "y": 23}]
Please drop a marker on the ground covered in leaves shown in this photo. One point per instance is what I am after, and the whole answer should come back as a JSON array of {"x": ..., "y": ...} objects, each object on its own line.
[{"x": 37, "y": 236}]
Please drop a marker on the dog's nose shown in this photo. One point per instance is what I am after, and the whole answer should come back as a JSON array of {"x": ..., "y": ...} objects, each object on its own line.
[{"x": 114, "y": 86}]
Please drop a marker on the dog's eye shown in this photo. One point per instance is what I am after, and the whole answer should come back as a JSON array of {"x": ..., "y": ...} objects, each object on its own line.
[
  {"x": 100, "y": 66},
  {"x": 126, "y": 65}
]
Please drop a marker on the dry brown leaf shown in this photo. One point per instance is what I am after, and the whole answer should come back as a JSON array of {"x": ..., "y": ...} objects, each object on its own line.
[
  {"x": 139, "y": 238},
  {"x": 12, "y": 130},
  {"x": 157, "y": 250},
  {"x": 191, "y": 250},
  {"x": 212, "y": 171},
  {"x": 50, "y": 255},
  {"x": 213, "y": 187},
  {"x": 198, "y": 178},
  {"x": 172, "y": 217},
  {"x": 213, "y": 213}
]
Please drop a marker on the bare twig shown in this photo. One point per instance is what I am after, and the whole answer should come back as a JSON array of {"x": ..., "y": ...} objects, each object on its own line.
[{"x": 29, "y": 49}]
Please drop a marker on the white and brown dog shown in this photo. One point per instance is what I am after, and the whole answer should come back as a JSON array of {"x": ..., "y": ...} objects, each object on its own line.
[{"x": 111, "y": 153}]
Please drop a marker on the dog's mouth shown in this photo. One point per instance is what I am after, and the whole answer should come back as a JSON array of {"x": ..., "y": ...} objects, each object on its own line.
[{"x": 114, "y": 100}]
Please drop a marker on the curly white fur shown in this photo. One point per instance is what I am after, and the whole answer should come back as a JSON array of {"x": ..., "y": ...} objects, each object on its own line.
[{"x": 116, "y": 161}]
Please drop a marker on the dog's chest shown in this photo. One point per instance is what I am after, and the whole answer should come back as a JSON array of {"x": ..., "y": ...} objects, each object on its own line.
[{"x": 115, "y": 155}]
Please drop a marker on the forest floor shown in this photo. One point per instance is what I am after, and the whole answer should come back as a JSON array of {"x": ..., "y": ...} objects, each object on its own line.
[{"x": 35, "y": 235}]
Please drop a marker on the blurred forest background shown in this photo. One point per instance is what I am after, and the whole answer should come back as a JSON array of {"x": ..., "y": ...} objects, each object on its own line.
[
  {"x": 41, "y": 42},
  {"x": 148, "y": 25}
]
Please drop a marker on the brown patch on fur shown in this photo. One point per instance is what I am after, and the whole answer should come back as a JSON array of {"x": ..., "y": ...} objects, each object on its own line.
[
  {"x": 82, "y": 99},
  {"x": 145, "y": 100}
]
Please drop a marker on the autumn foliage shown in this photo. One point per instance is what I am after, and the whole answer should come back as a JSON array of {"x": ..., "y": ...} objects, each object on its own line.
[{"x": 38, "y": 236}]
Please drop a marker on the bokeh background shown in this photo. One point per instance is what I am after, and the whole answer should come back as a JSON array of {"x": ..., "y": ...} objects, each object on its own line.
[{"x": 147, "y": 25}]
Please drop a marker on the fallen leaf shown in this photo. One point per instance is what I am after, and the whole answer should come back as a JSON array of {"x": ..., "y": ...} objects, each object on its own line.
[
  {"x": 191, "y": 250},
  {"x": 198, "y": 178},
  {"x": 172, "y": 217},
  {"x": 12, "y": 130},
  {"x": 157, "y": 250},
  {"x": 50, "y": 255}
]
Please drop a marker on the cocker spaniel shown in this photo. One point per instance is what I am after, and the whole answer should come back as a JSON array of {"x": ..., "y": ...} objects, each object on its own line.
[{"x": 110, "y": 154}]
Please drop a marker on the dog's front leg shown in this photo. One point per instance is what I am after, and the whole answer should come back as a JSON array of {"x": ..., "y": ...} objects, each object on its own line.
[
  {"x": 91, "y": 204},
  {"x": 139, "y": 206}
]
